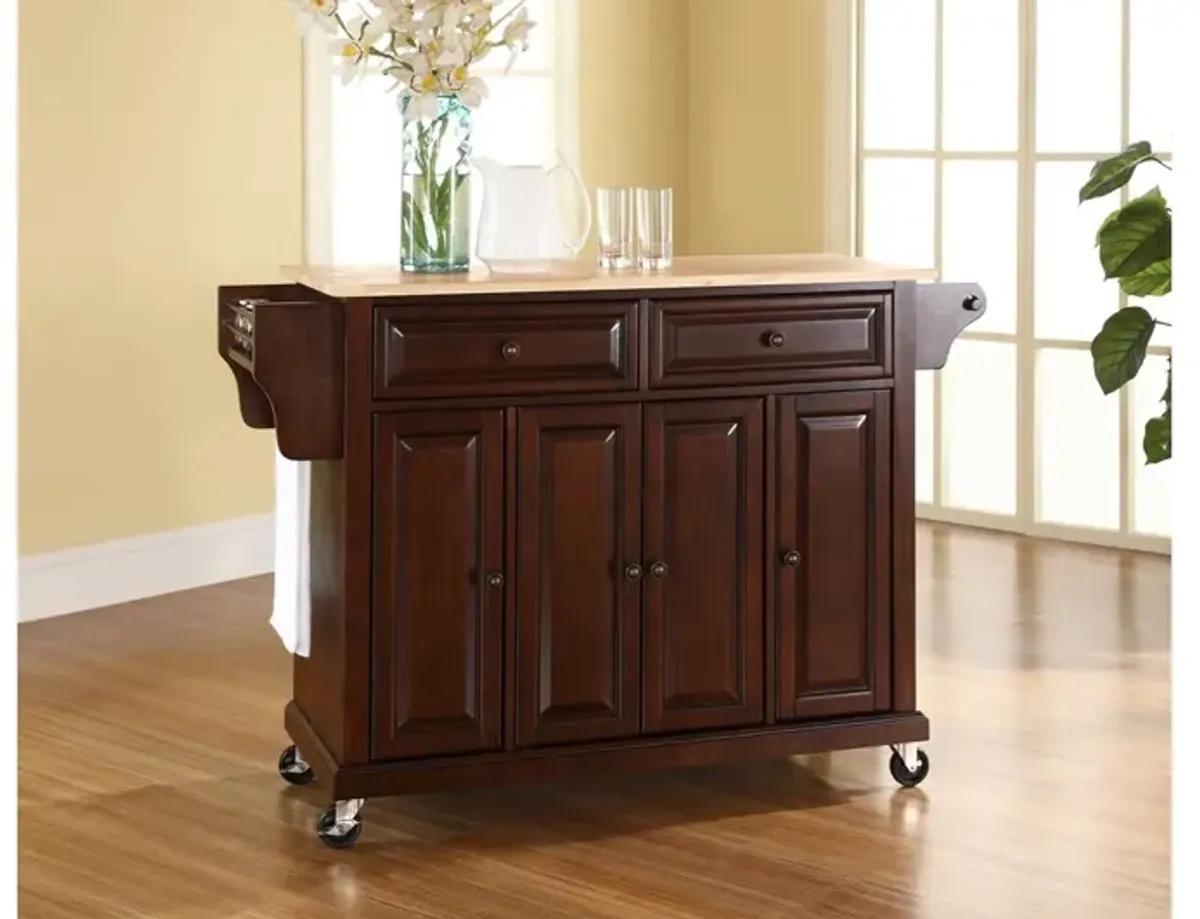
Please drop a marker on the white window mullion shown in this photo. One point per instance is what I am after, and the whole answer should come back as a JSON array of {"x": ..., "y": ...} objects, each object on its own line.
[
  {"x": 1128, "y": 477},
  {"x": 1028, "y": 484}
]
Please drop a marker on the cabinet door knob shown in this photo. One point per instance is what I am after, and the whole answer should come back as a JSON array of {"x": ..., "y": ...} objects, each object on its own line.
[
  {"x": 775, "y": 339},
  {"x": 495, "y": 581},
  {"x": 792, "y": 559},
  {"x": 511, "y": 350},
  {"x": 658, "y": 570},
  {"x": 633, "y": 572}
]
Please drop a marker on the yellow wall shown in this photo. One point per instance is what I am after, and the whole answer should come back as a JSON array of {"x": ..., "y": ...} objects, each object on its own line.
[
  {"x": 159, "y": 155},
  {"x": 154, "y": 168},
  {"x": 723, "y": 101},
  {"x": 756, "y": 127}
]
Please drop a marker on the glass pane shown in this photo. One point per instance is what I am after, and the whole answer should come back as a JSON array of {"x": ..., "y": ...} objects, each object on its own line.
[
  {"x": 1078, "y": 76},
  {"x": 515, "y": 124},
  {"x": 898, "y": 74},
  {"x": 979, "y": 427},
  {"x": 1147, "y": 176},
  {"x": 924, "y": 447},
  {"x": 1078, "y": 443},
  {"x": 1071, "y": 297},
  {"x": 980, "y": 82},
  {"x": 365, "y": 172},
  {"x": 1150, "y": 77},
  {"x": 898, "y": 212},
  {"x": 1152, "y": 484},
  {"x": 979, "y": 235}
]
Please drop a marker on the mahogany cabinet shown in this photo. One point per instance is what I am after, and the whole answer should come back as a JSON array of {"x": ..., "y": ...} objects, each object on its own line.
[{"x": 609, "y": 522}]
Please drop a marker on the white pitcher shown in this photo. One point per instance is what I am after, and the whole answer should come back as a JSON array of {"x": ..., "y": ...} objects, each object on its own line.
[{"x": 522, "y": 227}]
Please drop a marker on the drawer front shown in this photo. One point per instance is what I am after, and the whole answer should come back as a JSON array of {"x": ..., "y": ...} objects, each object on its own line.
[
  {"x": 770, "y": 339},
  {"x": 482, "y": 350}
]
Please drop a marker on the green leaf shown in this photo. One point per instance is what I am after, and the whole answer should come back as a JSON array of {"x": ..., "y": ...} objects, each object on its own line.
[
  {"x": 1135, "y": 236},
  {"x": 1152, "y": 281},
  {"x": 1110, "y": 174},
  {"x": 1119, "y": 349},
  {"x": 1156, "y": 442}
]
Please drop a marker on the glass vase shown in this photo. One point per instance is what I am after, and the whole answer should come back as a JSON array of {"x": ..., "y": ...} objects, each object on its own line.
[{"x": 435, "y": 209}]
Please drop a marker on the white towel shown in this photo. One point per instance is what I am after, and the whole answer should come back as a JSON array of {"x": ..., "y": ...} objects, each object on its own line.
[{"x": 291, "y": 615}]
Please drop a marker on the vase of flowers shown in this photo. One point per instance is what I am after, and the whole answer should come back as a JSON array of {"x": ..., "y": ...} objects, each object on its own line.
[{"x": 428, "y": 48}]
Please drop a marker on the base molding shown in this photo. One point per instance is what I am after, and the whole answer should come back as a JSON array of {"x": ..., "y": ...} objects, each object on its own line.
[
  {"x": 87, "y": 577},
  {"x": 547, "y": 764}
]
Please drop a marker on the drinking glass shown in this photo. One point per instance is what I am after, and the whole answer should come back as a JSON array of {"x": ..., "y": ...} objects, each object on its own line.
[
  {"x": 655, "y": 228},
  {"x": 614, "y": 227}
]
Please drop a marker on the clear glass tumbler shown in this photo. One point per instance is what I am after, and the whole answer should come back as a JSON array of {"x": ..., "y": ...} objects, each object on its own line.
[
  {"x": 656, "y": 229},
  {"x": 614, "y": 227}
]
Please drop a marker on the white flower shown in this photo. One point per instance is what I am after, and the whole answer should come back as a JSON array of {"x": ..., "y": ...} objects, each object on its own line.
[
  {"x": 354, "y": 50},
  {"x": 397, "y": 13},
  {"x": 516, "y": 36},
  {"x": 319, "y": 7},
  {"x": 316, "y": 13}
]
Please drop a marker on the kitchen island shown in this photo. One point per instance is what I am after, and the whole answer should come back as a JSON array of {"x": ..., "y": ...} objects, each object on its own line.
[{"x": 596, "y": 521}]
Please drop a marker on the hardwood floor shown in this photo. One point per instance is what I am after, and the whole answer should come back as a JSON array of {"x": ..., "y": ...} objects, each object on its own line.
[{"x": 149, "y": 734}]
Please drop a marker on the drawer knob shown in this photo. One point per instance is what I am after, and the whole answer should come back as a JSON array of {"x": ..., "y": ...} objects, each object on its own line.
[
  {"x": 511, "y": 350},
  {"x": 775, "y": 339},
  {"x": 633, "y": 572},
  {"x": 792, "y": 559},
  {"x": 658, "y": 570},
  {"x": 495, "y": 581}
]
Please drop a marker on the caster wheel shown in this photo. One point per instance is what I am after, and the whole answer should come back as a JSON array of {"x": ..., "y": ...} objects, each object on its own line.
[
  {"x": 903, "y": 775},
  {"x": 293, "y": 769},
  {"x": 335, "y": 835}
]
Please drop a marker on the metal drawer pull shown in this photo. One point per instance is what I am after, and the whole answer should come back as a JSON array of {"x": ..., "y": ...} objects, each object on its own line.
[
  {"x": 775, "y": 339},
  {"x": 792, "y": 559},
  {"x": 511, "y": 350}
]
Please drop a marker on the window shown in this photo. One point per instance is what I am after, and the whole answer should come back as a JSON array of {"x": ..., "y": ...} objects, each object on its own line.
[
  {"x": 353, "y": 136},
  {"x": 978, "y": 121}
]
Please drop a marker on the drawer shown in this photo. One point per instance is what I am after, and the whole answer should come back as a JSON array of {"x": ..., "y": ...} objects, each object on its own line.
[
  {"x": 770, "y": 339},
  {"x": 524, "y": 348}
]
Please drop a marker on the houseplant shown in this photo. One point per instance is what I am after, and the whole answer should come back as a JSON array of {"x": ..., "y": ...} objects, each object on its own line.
[
  {"x": 428, "y": 48},
  {"x": 1134, "y": 247}
]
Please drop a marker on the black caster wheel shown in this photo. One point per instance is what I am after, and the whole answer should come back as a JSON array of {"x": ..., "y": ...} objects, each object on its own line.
[
  {"x": 901, "y": 773},
  {"x": 335, "y": 835},
  {"x": 293, "y": 769}
]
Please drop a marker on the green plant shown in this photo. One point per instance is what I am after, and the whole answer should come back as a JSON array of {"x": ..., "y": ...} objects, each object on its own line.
[{"x": 1134, "y": 245}]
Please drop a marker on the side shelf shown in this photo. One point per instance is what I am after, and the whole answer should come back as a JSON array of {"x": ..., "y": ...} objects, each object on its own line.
[{"x": 286, "y": 350}]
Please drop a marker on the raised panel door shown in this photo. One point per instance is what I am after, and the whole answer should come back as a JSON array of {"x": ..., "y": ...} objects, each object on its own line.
[
  {"x": 832, "y": 560},
  {"x": 703, "y": 519},
  {"x": 579, "y": 573},
  {"x": 439, "y": 599}
]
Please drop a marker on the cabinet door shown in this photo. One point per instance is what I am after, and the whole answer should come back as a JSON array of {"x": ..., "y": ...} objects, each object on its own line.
[
  {"x": 703, "y": 518},
  {"x": 832, "y": 556},
  {"x": 578, "y": 599},
  {"x": 439, "y": 598}
]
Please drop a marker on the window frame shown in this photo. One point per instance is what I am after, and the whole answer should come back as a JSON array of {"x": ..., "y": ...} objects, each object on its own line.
[{"x": 845, "y": 158}]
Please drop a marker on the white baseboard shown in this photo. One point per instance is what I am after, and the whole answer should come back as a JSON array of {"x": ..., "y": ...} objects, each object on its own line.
[{"x": 88, "y": 577}]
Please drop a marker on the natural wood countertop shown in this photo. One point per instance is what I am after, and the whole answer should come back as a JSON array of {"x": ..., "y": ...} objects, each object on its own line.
[{"x": 688, "y": 272}]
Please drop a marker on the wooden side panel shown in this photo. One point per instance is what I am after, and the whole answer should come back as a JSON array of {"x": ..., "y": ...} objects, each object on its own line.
[
  {"x": 439, "y": 603},
  {"x": 703, "y": 518},
  {"x": 904, "y": 503},
  {"x": 833, "y": 561},
  {"x": 578, "y": 599}
]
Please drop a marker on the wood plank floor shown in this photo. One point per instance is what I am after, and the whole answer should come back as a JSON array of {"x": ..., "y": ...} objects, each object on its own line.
[{"x": 149, "y": 733}]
